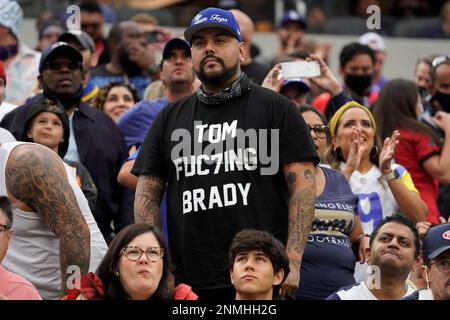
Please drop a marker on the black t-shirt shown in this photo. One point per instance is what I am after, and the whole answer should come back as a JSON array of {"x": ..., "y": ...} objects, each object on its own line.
[{"x": 208, "y": 203}]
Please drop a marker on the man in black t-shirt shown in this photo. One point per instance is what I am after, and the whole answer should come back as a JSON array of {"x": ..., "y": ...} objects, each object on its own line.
[{"x": 234, "y": 156}]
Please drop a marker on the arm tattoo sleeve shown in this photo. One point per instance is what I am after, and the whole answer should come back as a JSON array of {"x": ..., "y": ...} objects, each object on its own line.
[
  {"x": 149, "y": 192},
  {"x": 301, "y": 185},
  {"x": 37, "y": 177}
]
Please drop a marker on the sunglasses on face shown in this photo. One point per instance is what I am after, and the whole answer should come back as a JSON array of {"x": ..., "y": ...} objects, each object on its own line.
[{"x": 56, "y": 66}]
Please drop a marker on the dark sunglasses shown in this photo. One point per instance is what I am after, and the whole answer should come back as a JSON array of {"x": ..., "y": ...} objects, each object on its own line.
[{"x": 56, "y": 66}]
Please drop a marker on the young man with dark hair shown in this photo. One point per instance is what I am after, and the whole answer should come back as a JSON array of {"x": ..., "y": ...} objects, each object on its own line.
[
  {"x": 258, "y": 265},
  {"x": 393, "y": 249}
]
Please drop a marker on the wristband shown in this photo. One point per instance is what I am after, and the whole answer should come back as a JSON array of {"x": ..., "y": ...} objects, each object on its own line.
[{"x": 391, "y": 176}]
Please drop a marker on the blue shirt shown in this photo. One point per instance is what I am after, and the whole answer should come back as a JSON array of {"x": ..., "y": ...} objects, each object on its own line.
[
  {"x": 328, "y": 261},
  {"x": 136, "y": 121}
]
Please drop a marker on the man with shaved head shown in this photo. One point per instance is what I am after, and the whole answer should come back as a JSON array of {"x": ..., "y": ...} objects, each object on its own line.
[{"x": 254, "y": 70}]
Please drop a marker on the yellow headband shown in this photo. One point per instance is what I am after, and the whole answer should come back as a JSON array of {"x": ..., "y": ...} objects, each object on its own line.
[{"x": 351, "y": 104}]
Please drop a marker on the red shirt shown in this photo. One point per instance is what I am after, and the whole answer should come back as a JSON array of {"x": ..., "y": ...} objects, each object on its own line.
[{"x": 413, "y": 149}]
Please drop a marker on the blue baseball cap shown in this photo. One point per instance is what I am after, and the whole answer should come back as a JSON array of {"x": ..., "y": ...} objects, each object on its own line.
[
  {"x": 298, "y": 82},
  {"x": 62, "y": 49},
  {"x": 436, "y": 241},
  {"x": 213, "y": 18},
  {"x": 293, "y": 16},
  {"x": 175, "y": 43}
]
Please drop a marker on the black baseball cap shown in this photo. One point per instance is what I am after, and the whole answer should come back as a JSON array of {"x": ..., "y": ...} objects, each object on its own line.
[
  {"x": 59, "y": 49},
  {"x": 175, "y": 42}
]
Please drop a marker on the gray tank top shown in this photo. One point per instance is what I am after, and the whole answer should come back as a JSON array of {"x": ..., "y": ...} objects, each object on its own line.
[{"x": 33, "y": 249}]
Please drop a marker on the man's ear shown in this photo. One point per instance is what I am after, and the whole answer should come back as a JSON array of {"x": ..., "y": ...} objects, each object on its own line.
[
  {"x": 341, "y": 71},
  {"x": 40, "y": 82},
  {"x": 241, "y": 52},
  {"x": 278, "y": 278}
]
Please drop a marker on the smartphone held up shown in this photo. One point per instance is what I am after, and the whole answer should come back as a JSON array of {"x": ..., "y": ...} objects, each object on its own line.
[{"x": 300, "y": 69}]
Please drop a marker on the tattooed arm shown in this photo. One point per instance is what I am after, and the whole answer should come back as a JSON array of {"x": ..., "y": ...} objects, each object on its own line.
[
  {"x": 301, "y": 184},
  {"x": 36, "y": 177},
  {"x": 149, "y": 192}
]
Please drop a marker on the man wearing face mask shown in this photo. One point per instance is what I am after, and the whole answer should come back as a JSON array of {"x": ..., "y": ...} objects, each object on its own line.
[
  {"x": 21, "y": 62},
  {"x": 357, "y": 63}
]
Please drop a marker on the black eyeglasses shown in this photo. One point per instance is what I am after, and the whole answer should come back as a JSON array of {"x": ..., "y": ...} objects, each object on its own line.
[
  {"x": 3, "y": 228},
  {"x": 134, "y": 253},
  {"x": 439, "y": 60},
  {"x": 320, "y": 130},
  {"x": 443, "y": 265},
  {"x": 56, "y": 66}
]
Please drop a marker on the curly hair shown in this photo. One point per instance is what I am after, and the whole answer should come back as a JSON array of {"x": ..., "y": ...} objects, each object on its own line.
[{"x": 100, "y": 99}]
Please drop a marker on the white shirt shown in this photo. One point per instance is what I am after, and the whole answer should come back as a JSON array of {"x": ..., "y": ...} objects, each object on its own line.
[
  {"x": 360, "y": 291},
  {"x": 376, "y": 200}
]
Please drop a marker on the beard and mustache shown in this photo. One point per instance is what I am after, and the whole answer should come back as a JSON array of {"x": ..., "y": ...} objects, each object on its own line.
[{"x": 216, "y": 78}]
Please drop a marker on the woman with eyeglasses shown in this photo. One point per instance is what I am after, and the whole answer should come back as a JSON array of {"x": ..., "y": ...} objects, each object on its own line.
[
  {"x": 336, "y": 237},
  {"x": 420, "y": 149},
  {"x": 136, "y": 267}
]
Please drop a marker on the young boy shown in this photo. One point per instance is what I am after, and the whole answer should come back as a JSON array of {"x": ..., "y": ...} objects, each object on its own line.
[{"x": 258, "y": 265}]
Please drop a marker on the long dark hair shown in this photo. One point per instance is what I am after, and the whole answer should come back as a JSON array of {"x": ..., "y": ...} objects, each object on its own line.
[
  {"x": 396, "y": 108},
  {"x": 110, "y": 264}
]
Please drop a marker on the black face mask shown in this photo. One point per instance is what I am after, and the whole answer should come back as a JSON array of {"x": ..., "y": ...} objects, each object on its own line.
[
  {"x": 8, "y": 51},
  {"x": 358, "y": 84},
  {"x": 443, "y": 99}
]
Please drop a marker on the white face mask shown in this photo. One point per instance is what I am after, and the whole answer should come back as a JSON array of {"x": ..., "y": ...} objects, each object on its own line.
[{"x": 426, "y": 295}]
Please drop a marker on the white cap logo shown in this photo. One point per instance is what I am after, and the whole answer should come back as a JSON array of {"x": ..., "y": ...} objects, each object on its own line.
[
  {"x": 197, "y": 19},
  {"x": 218, "y": 18},
  {"x": 446, "y": 235}
]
